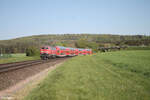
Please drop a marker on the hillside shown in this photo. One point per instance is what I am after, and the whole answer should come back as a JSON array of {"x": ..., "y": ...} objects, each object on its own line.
[{"x": 19, "y": 45}]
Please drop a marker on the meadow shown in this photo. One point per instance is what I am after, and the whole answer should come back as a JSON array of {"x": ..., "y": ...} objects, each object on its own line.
[
  {"x": 17, "y": 57},
  {"x": 120, "y": 75}
]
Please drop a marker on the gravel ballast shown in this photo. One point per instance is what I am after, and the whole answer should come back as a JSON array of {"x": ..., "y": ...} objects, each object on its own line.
[{"x": 10, "y": 78}]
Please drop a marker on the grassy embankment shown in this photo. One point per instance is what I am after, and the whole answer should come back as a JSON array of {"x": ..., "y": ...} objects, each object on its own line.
[
  {"x": 17, "y": 57},
  {"x": 121, "y": 75}
]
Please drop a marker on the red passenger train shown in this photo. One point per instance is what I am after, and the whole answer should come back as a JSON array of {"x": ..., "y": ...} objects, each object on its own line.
[{"x": 48, "y": 52}]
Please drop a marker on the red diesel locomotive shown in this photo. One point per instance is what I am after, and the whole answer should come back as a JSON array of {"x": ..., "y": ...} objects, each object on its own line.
[{"x": 48, "y": 52}]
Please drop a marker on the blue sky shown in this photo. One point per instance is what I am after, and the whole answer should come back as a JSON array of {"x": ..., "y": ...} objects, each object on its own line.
[{"x": 32, "y": 17}]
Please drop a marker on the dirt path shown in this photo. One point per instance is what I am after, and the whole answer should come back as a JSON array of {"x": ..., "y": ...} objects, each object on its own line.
[{"x": 21, "y": 89}]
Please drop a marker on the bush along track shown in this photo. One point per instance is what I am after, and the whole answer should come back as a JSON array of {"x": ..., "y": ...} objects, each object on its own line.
[{"x": 117, "y": 75}]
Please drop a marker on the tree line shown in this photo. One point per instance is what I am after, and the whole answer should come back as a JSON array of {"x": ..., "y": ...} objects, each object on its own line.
[{"x": 20, "y": 45}]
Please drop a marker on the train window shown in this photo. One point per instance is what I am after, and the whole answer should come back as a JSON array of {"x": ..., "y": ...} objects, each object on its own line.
[
  {"x": 53, "y": 48},
  {"x": 45, "y": 48},
  {"x": 62, "y": 53}
]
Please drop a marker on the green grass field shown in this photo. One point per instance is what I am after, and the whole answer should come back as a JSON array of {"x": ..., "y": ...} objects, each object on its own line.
[
  {"x": 17, "y": 57},
  {"x": 121, "y": 75},
  {"x": 138, "y": 48}
]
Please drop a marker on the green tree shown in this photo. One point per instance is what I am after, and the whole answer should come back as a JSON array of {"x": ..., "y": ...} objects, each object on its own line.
[
  {"x": 93, "y": 45},
  {"x": 32, "y": 51},
  {"x": 81, "y": 44},
  {"x": 87, "y": 44}
]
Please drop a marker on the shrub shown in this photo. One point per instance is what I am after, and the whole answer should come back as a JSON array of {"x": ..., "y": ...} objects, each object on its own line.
[
  {"x": 32, "y": 51},
  {"x": 87, "y": 44}
]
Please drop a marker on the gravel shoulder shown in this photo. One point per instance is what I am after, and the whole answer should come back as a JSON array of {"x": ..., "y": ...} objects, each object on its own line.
[{"x": 20, "y": 82}]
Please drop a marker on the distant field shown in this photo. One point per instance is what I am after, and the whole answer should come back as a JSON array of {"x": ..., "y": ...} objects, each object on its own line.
[
  {"x": 120, "y": 75},
  {"x": 138, "y": 48},
  {"x": 16, "y": 58}
]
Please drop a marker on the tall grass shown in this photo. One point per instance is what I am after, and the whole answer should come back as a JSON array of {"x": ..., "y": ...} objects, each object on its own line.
[{"x": 121, "y": 75}]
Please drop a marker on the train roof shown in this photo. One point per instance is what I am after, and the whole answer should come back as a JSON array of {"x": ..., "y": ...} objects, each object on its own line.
[
  {"x": 61, "y": 47},
  {"x": 80, "y": 49}
]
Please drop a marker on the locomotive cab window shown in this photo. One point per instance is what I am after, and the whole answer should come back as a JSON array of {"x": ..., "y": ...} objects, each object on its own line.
[{"x": 45, "y": 48}]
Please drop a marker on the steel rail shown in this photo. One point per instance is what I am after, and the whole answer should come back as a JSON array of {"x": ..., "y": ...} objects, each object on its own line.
[
  {"x": 18, "y": 65},
  {"x": 16, "y": 62}
]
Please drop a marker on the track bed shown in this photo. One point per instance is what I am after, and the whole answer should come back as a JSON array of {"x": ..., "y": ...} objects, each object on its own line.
[{"x": 12, "y": 73}]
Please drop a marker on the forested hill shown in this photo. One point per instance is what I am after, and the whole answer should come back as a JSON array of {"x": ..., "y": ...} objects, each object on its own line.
[{"x": 73, "y": 40}]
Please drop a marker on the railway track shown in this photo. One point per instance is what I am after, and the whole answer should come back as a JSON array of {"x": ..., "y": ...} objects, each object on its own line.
[
  {"x": 18, "y": 65},
  {"x": 12, "y": 73}
]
